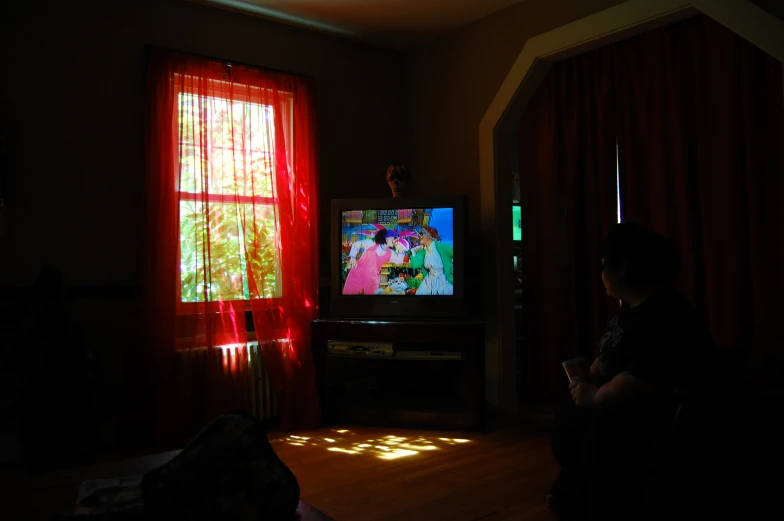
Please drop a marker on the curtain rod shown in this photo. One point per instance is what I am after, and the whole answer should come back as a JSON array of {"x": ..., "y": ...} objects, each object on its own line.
[{"x": 229, "y": 63}]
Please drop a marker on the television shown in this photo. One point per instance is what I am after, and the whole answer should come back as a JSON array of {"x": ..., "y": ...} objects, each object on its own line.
[{"x": 399, "y": 257}]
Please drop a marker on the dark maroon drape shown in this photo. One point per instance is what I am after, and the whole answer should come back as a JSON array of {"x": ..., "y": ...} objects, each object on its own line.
[
  {"x": 568, "y": 203},
  {"x": 700, "y": 135},
  {"x": 698, "y": 114}
]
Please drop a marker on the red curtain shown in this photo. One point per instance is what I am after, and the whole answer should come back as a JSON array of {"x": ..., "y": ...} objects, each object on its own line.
[
  {"x": 231, "y": 226},
  {"x": 568, "y": 203},
  {"x": 700, "y": 134},
  {"x": 699, "y": 119}
]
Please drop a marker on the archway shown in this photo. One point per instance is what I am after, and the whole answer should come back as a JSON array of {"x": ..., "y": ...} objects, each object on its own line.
[{"x": 497, "y": 151}]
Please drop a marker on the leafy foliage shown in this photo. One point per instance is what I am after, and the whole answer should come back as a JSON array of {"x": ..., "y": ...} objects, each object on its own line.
[{"x": 228, "y": 218}]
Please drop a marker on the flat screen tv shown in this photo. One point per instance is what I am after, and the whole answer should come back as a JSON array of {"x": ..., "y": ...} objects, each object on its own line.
[{"x": 398, "y": 258}]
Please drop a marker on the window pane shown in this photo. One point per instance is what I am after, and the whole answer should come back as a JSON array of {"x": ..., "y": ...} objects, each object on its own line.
[
  {"x": 260, "y": 146},
  {"x": 239, "y": 111},
  {"x": 239, "y": 146},
  {"x": 210, "y": 238},
  {"x": 218, "y": 122},
  {"x": 219, "y": 241},
  {"x": 224, "y": 179},
  {"x": 618, "y": 179},
  {"x": 261, "y": 168},
  {"x": 191, "y": 169},
  {"x": 261, "y": 240},
  {"x": 188, "y": 121},
  {"x": 191, "y": 251},
  {"x": 226, "y": 149}
]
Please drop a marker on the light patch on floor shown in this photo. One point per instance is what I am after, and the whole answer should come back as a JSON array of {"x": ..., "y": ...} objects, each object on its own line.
[{"x": 389, "y": 447}]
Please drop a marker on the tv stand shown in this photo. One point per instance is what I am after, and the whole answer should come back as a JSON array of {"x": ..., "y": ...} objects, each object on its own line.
[{"x": 401, "y": 373}]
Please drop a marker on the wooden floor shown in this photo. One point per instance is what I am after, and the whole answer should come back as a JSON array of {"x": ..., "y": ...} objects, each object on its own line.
[
  {"x": 382, "y": 474},
  {"x": 359, "y": 474}
]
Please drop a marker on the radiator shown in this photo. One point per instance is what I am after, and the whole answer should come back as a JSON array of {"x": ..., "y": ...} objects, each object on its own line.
[
  {"x": 262, "y": 398},
  {"x": 247, "y": 385}
]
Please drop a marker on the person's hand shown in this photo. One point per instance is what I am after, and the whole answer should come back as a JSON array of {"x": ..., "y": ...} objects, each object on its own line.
[
  {"x": 352, "y": 263},
  {"x": 416, "y": 249},
  {"x": 595, "y": 369},
  {"x": 583, "y": 394}
]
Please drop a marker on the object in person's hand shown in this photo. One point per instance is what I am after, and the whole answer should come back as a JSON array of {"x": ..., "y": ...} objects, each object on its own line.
[{"x": 578, "y": 369}]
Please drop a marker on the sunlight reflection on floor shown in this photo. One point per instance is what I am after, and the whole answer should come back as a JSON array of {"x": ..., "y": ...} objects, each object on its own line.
[{"x": 387, "y": 447}]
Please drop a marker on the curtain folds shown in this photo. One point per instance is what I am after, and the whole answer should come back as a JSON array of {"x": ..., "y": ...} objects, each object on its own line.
[
  {"x": 568, "y": 197},
  {"x": 231, "y": 224},
  {"x": 700, "y": 141},
  {"x": 698, "y": 116}
]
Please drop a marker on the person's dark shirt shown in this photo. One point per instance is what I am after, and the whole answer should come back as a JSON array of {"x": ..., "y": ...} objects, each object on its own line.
[{"x": 663, "y": 341}]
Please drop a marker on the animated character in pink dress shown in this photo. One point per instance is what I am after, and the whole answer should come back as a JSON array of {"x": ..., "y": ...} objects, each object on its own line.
[{"x": 365, "y": 275}]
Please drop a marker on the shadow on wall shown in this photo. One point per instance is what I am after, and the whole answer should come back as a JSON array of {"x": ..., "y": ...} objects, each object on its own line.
[{"x": 49, "y": 376}]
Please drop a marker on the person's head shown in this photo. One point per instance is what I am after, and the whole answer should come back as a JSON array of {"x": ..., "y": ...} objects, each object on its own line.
[
  {"x": 637, "y": 262},
  {"x": 428, "y": 234},
  {"x": 386, "y": 237},
  {"x": 398, "y": 179}
]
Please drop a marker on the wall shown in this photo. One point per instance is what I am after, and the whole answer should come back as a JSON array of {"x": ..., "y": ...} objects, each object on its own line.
[
  {"x": 73, "y": 99},
  {"x": 72, "y": 111},
  {"x": 774, "y": 7},
  {"x": 451, "y": 83}
]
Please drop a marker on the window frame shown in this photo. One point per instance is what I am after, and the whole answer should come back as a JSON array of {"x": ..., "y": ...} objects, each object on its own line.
[{"x": 237, "y": 305}]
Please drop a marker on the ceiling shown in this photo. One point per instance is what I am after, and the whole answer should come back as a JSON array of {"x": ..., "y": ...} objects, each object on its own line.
[{"x": 396, "y": 24}]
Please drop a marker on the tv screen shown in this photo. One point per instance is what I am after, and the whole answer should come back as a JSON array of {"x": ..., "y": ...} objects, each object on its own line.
[{"x": 397, "y": 250}]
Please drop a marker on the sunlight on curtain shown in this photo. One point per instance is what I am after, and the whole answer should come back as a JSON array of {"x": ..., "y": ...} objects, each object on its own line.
[
  {"x": 231, "y": 153},
  {"x": 227, "y": 203}
]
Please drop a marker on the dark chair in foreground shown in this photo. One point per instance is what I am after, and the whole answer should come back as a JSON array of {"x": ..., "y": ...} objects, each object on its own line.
[{"x": 708, "y": 461}]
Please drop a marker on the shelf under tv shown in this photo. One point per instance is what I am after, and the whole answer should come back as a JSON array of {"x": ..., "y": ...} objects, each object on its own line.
[{"x": 417, "y": 389}]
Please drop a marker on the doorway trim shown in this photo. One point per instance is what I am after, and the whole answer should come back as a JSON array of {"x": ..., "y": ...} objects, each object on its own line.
[{"x": 496, "y": 150}]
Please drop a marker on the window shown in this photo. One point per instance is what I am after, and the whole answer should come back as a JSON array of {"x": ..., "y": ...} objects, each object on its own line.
[
  {"x": 228, "y": 218},
  {"x": 517, "y": 223},
  {"x": 231, "y": 214},
  {"x": 618, "y": 179}
]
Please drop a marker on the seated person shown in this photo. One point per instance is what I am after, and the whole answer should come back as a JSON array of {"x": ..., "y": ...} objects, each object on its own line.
[{"x": 655, "y": 344}]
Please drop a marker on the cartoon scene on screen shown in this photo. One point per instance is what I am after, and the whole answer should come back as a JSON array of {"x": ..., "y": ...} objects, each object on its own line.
[{"x": 397, "y": 252}]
